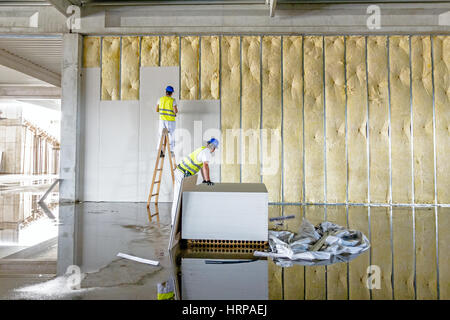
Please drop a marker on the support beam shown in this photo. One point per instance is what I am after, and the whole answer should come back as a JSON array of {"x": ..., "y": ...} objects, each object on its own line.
[
  {"x": 33, "y": 70},
  {"x": 29, "y": 92},
  {"x": 70, "y": 121},
  {"x": 273, "y": 6},
  {"x": 61, "y": 6}
]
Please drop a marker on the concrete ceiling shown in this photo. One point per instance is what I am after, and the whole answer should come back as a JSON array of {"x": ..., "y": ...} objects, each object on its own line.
[
  {"x": 45, "y": 52},
  {"x": 30, "y": 68},
  {"x": 11, "y": 77}
]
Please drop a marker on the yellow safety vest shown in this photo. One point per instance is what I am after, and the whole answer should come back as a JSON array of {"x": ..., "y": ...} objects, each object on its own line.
[
  {"x": 190, "y": 163},
  {"x": 166, "y": 109},
  {"x": 166, "y": 291}
]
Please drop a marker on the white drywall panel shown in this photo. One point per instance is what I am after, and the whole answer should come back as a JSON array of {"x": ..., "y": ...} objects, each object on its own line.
[
  {"x": 154, "y": 80},
  {"x": 198, "y": 121},
  {"x": 119, "y": 143},
  {"x": 237, "y": 215},
  {"x": 203, "y": 280},
  {"x": 90, "y": 86}
]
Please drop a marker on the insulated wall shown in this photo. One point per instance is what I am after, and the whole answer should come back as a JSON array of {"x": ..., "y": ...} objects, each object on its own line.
[
  {"x": 318, "y": 119},
  {"x": 292, "y": 126},
  {"x": 230, "y": 109}
]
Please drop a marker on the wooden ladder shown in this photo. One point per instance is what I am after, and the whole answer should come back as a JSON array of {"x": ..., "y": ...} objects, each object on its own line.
[{"x": 157, "y": 173}]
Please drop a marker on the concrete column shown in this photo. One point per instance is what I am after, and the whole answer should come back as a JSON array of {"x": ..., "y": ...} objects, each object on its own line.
[
  {"x": 69, "y": 237},
  {"x": 70, "y": 112}
]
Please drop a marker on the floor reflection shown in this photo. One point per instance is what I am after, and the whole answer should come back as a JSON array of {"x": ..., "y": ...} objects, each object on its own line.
[
  {"x": 25, "y": 225},
  {"x": 409, "y": 246}
]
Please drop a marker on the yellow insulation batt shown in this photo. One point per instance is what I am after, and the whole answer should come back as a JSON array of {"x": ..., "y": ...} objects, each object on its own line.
[
  {"x": 293, "y": 276},
  {"x": 130, "y": 68},
  {"x": 444, "y": 252},
  {"x": 403, "y": 237},
  {"x": 441, "y": 54},
  {"x": 400, "y": 119},
  {"x": 275, "y": 272},
  {"x": 210, "y": 68},
  {"x": 315, "y": 276},
  {"x": 380, "y": 229},
  {"x": 357, "y": 268},
  {"x": 110, "y": 68},
  {"x": 335, "y": 119},
  {"x": 251, "y": 109},
  {"x": 91, "y": 52},
  {"x": 170, "y": 50},
  {"x": 150, "y": 52},
  {"x": 422, "y": 94},
  {"x": 292, "y": 119},
  {"x": 337, "y": 273},
  {"x": 426, "y": 265},
  {"x": 378, "y": 119},
  {"x": 356, "y": 119},
  {"x": 230, "y": 109},
  {"x": 271, "y": 116},
  {"x": 189, "y": 68},
  {"x": 314, "y": 126}
]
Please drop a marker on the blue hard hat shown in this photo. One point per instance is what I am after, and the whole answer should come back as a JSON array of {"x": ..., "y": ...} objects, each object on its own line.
[
  {"x": 214, "y": 142},
  {"x": 169, "y": 89}
]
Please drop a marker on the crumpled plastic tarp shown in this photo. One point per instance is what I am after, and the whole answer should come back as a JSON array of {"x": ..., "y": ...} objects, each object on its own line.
[{"x": 341, "y": 245}]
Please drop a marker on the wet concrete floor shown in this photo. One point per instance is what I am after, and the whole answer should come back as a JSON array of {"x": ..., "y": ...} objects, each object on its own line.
[{"x": 72, "y": 254}]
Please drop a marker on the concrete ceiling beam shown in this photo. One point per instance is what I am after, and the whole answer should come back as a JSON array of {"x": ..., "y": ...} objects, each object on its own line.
[
  {"x": 33, "y": 70},
  {"x": 29, "y": 92}
]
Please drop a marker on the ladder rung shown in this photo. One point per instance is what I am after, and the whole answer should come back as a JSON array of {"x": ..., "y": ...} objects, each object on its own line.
[
  {"x": 158, "y": 169},
  {"x": 155, "y": 194},
  {"x": 157, "y": 181}
]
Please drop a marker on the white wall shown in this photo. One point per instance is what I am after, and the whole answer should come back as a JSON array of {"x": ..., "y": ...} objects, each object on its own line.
[{"x": 120, "y": 138}]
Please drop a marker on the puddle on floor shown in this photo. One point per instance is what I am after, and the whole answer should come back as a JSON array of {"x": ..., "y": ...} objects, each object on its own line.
[{"x": 90, "y": 235}]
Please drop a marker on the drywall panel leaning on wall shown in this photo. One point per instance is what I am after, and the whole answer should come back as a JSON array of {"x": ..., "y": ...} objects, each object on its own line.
[{"x": 153, "y": 81}]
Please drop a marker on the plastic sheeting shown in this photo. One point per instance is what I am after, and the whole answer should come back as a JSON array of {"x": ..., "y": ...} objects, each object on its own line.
[{"x": 341, "y": 245}]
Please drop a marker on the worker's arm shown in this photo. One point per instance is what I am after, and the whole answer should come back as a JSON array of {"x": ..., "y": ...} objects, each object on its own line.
[
  {"x": 205, "y": 171},
  {"x": 157, "y": 108},
  {"x": 175, "y": 109}
]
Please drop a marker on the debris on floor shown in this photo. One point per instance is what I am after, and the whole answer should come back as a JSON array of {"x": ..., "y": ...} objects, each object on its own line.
[
  {"x": 137, "y": 259},
  {"x": 323, "y": 244}
]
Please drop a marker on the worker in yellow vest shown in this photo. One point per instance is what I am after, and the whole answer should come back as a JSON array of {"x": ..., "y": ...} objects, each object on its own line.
[
  {"x": 167, "y": 109},
  {"x": 197, "y": 160}
]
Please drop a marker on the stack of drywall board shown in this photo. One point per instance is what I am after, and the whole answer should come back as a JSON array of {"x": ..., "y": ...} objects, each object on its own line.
[
  {"x": 225, "y": 211},
  {"x": 224, "y": 279}
]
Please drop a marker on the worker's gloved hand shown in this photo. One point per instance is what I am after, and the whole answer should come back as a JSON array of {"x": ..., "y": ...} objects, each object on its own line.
[{"x": 209, "y": 183}]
